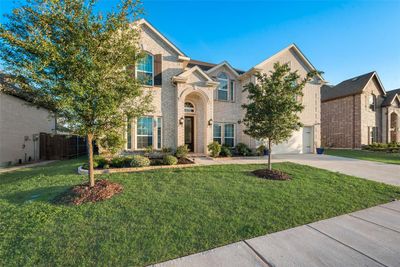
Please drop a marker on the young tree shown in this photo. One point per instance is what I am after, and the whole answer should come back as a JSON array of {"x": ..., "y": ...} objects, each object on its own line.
[
  {"x": 272, "y": 113},
  {"x": 67, "y": 56}
]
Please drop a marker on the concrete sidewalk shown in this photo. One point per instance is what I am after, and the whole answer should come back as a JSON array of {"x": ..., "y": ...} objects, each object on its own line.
[
  {"x": 369, "y": 237},
  {"x": 376, "y": 171},
  {"x": 19, "y": 167}
]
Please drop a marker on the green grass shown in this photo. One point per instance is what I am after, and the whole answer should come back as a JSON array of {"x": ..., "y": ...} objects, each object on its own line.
[
  {"x": 392, "y": 158},
  {"x": 166, "y": 213}
]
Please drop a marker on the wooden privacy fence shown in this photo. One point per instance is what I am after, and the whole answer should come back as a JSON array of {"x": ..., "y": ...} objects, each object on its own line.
[{"x": 58, "y": 146}]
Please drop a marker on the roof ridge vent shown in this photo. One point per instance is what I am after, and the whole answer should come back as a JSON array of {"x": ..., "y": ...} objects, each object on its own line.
[{"x": 354, "y": 79}]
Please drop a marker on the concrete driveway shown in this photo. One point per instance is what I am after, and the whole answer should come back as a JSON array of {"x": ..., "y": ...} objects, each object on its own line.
[
  {"x": 376, "y": 171},
  {"x": 369, "y": 237}
]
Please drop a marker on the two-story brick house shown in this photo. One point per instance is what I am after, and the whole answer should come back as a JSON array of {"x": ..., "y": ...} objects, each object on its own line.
[
  {"x": 197, "y": 102},
  {"x": 359, "y": 111}
]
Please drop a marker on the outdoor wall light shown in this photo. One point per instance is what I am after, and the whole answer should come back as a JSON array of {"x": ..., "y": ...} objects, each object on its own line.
[
  {"x": 181, "y": 121},
  {"x": 210, "y": 122}
]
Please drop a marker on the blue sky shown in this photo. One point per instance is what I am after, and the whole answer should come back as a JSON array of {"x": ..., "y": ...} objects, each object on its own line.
[{"x": 341, "y": 38}]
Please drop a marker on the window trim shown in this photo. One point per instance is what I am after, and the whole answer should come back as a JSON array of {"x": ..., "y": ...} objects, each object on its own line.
[
  {"x": 152, "y": 73},
  {"x": 152, "y": 132},
  {"x": 232, "y": 88}
]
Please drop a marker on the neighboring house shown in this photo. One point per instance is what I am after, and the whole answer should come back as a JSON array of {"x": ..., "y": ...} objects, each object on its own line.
[
  {"x": 20, "y": 125},
  {"x": 197, "y": 102},
  {"x": 358, "y": 111}
]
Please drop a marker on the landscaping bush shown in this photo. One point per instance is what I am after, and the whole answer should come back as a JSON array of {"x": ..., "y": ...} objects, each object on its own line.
[
  {"x": 99, "y": 161},
  {"x": 182, "y": 151},
  {"x": 214, "y": 148},
  {"x": 166, "y": 150},
  {"x": 392, "y": 147},
  {"x": 139, "y": 161},
  {"x": 243, "y": 150},
  {"x": 225, "y": 151},
  {"x": 170, "y": 160},
  {"x": 118, "y": 162}
]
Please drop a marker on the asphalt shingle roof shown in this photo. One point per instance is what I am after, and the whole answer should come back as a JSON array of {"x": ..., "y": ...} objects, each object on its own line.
[
  {"x": 348, "y": 87},
  {"x": 390, "y": 95},
  {"x": 205, "y": 66}
]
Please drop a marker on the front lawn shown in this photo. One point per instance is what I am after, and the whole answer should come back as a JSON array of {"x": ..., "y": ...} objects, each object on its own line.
[
  {"x": 166, "y": 213},
  {"x": 392, "y": 158}
]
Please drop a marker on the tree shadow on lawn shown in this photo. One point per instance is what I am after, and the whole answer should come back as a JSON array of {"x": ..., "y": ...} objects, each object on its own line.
[
  {"x": 53, "y": 169},
  {"x": 43, "y": 194}
]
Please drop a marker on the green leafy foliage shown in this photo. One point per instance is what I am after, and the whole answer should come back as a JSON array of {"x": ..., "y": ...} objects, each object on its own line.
[
  {"x": 214, "y": 148},
  {"x": 242, "y": 150},
  {"x": 273, "y": 110},
  {"x": 99, "y": 161},
  {"x": 112, "y": 142},
  {"x": 139, "y": 161},
  {"x": 68, "y": 56},
  {"x": 225, "y": 151},
  {"x": 260, "y": 150},
  {"x": 170, "y": 160},
  {"x": 182, "y": 151}
]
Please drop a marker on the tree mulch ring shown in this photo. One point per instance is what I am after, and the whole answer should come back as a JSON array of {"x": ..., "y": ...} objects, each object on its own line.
[
  {"x": 79, "y": 194},
  {"x": 184, "y": 161},
  {"x": 271, "y": 174}
]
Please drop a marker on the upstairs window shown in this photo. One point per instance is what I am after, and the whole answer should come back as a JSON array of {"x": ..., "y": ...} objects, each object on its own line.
[
  {"x": 372, "y": 102},
  {"x": 223, "y": 87},
  {"x": 144, "y": 70}
]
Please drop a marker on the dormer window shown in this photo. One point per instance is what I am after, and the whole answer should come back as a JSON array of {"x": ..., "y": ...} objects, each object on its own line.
[
  {"x": 372, "y": 102},
  {"x": 144, "y": 70}
]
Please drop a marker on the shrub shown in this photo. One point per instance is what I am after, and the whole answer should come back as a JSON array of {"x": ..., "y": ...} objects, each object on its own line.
[
  {"x": 106, "y": 166},
  {"x": 118, "y": 162},
  {"x": 225, "y": 151},
  {"x": 260, "y": 150},
  {"x": 170, "y": 160},
  {"x": 182, "y": 151},
  {"x": 139, "y": 161},
  {"x": 243, "y": 149},
  {"x": 112, "y": 142},
  {"x": 99, "y": 161},
  {"x": 214, "y": 148},
  {"x": 166, "y": 150}
]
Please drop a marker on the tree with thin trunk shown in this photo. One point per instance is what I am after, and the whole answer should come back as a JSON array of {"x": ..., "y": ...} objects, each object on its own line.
[
  {"x": 77, "y": 61},
  {"x": 272, "y": 113}
]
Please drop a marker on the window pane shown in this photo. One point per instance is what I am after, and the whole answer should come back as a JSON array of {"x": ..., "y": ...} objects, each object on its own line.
[
  {"x": 129, "y": 134},
  {"x": 217, "y": 130},
  {"x": 218, "y": 140},
  {"x": 159, "y": 136},
  {"x": 222, "y": 95},
  {"x": 229, "y": 130},
  {"x": 232, "y": 91},
  {"x": 144, "y": 132},
  {"x": 189, "y": 107},
  {"x": 229, "y": 142},
  {"x": 145, "y": 78},
  {"x": 146, "y": 63}
]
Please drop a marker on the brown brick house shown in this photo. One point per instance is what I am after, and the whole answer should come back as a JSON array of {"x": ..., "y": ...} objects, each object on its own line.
[{"x": 359, "y": 111}]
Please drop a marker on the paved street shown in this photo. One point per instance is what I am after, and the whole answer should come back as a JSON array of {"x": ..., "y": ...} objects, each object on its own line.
[{"x": 369, "y": 237}]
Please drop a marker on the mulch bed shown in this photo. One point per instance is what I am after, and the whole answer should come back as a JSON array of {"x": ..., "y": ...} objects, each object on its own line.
[
  {"x": 185, "y": 161},
  {"x": 79, "y": 194},
  {"x": 272, "y": 175}
]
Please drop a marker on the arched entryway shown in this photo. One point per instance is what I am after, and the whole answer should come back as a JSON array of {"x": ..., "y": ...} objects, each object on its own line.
[
  {"x": 195, "y": 122},
  {"x": 394, "y": 127}
]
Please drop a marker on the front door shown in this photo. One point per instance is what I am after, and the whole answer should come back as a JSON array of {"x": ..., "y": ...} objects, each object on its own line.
[{"x": 189, "y": 132}]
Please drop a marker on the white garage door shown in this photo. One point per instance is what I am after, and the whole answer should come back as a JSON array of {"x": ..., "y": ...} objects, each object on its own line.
[{"x": 293, "y": 145}]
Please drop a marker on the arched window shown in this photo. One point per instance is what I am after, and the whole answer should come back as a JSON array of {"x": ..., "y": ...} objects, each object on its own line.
[
  {"x": 144, "y": 70},
  {"x": 189, "y": 107},
  {"x": 223, "y": 86}
]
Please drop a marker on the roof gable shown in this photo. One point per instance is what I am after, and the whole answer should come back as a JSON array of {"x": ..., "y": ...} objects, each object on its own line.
[
  {"x": 142, "y": 22},
  {"x": 222, "y": 64},
  {"x": 349, "y": 87},
  {"x": 390, "y": 97},
  {"x": 293, "y": 47}
]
